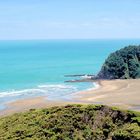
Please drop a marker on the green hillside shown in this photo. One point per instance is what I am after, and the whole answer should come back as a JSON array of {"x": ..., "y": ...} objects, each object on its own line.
[
  {"x": 72, "y": 122},
  {"x": 122, "y": 64}
]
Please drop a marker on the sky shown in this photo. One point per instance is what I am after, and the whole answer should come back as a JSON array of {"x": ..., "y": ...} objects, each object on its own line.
[{"x": 69, "y": 19}]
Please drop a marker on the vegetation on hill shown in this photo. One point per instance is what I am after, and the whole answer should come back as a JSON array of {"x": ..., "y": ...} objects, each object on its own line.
[
  {"x": 72, "y": 122},
  {"x": 122, "y": 64}
]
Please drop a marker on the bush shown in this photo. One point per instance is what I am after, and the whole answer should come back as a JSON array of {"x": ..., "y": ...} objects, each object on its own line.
[{"x": 72, "y": 122}]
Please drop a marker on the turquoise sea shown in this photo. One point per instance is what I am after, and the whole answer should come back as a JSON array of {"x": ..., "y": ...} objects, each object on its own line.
[{"x": 37, "y": 67}]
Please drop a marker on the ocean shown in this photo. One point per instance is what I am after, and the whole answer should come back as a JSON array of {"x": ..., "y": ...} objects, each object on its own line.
[{"x": 33, "y": 68}]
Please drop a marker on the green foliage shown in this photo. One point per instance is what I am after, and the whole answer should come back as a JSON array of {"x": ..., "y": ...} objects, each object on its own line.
[
  {"x": 128, "y": 132},
  {"x": 71, "y": 122},
  {"x": 122, "y": 64}
]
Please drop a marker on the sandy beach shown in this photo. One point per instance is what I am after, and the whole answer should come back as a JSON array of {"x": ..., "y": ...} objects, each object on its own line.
[
  {"x": 27, "y": 104},
  {"x": 121, "y": 93}
]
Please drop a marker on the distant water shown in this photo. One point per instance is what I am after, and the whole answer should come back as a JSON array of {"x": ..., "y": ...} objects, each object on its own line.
[{"x": 37, "y": 68}]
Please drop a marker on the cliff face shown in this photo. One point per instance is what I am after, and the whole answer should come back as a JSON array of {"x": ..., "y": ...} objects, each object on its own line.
[
  {"x": 72, "y": 122},
  {"x": 122, "y": 64}
]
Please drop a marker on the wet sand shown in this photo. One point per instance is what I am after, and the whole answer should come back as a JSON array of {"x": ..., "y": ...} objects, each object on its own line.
[{"x": 121, "y": 93}]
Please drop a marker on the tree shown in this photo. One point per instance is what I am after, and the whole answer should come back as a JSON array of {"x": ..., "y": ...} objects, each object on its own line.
[{"x": 122, "y": 64}]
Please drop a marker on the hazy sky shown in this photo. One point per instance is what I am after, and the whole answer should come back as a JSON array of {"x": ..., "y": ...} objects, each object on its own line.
[{"x": 69, "y": 19}]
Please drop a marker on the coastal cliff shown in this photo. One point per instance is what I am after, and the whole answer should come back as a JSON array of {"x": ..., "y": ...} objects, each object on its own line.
[{"x": 122, "y": 64}]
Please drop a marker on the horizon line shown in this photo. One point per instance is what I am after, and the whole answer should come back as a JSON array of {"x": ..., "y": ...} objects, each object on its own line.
[{"x": 67, "y": 39}]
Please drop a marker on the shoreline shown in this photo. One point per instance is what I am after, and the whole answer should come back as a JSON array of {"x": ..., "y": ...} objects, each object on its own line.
[{"x": 124, "y": 94}]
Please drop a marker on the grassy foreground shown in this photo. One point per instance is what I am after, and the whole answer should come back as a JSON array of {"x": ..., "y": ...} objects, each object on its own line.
[{"x": 72, "y": 122}]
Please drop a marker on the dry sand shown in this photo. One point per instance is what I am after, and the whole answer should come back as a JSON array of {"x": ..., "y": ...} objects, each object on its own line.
[
  {"x": 120, "y": 93},
  {"x": 27, "y": 104}
]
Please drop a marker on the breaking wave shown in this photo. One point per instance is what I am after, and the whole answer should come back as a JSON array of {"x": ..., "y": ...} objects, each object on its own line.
[{"x": 51, "y": 91}]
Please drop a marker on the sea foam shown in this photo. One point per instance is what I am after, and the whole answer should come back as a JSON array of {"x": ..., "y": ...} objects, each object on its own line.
[{"x": 51, "y": 91}]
